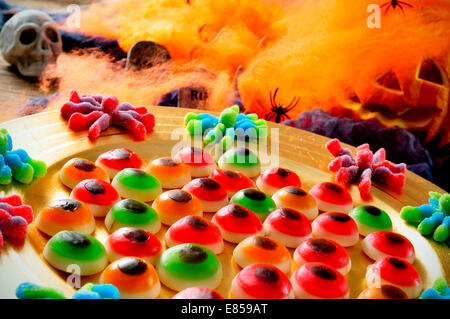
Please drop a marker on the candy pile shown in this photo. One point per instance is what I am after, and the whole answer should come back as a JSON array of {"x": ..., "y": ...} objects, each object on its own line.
[
  {"x": 17, "y": 164},
  {"x": 28, "y": 290},
  {"x": 433, "y": 218},
  {"x": 365, "y": 168},
  {"x": 440, "y": 290},
  {"x": 97, "y": 113},
  {"x": 230, "y": 125},
  {"x": 14, "y": 218}
]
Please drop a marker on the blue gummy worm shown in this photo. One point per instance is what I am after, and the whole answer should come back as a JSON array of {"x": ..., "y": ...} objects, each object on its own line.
[
  {"x": 106, "y": 291},
  {"x": 426, "y": 210}
]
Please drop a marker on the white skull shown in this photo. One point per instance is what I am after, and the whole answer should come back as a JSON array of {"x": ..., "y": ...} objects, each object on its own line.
[{"x": 30, "y": 41}]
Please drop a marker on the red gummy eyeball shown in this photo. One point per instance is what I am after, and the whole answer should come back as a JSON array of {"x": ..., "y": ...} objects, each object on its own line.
[
  {"x": 276, "y": 178},
  {"x": 339, "y": 227},
  {"x": 379, "y": 244},
  {"x": 232, "y": 181},
  {"x": 332, "y": 197}
]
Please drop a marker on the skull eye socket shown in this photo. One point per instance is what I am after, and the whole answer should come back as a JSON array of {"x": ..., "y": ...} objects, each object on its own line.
[
  {"x": 28, "y": 36},
  {"x": 52, "y": 35}
]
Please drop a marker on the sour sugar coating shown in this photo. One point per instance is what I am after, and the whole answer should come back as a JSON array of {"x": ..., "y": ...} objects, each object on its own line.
[
  {"x": 135, "y": 278},
  {"x": 260, "y": 249},
  {"x": 172, "y": 173},
  {"x": 370, "y": 219},
  {"x": 232, "y": 181},
  {"x": 336, "y": 226},
  {"x": 13, "y": 205},
  {"x": 198, "y": 293},
  {"x": 137, "y": 184},
  {"x": 258, "y": 202},
  {"x": 175, "y": 204},
  {"x": 210, "y": 193},
  {"x": 189, "y": 265},
  {"x": 237, "y": 223},
  {"x": 14, "y": 219},
  {"x": 325, "y": 251},
  {"x": 288, "y": 226},
  {"x": 79, "y": 169},
  {"x": 28, "y": 290},
  {"x": 397, "y": 272},
  {"x": 316, "y": 280},
  {"x": 440, "y": 290},
  {"x": 261, "y": 281},
  {"x": 332, "y": 197},
  {"x": 132, "y": 213},
  {"x": 65, "y": 214},
  {"x": 98, "y": 195},
  {"x": 298, "y": 199},
  {"x": 91, "y": 291},
  {"x": 242, "y": 160},
  {"x": 135, "y": 242},
  {"x": 117, "y": 159},
  {"x": 199, "y": 161},
  {"x": 381, "y": 243},
  {"x": 68, "y": 247},
  {"x": 385, "y": 291},
  {"x": 273, "y": 179},
  {"x": 196, "y": 230}
]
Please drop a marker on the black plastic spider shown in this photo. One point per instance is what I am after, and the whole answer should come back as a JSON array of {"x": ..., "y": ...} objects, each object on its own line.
[
  {"x": 394, "y": 4},
  {"x": 279, "y": 111}
]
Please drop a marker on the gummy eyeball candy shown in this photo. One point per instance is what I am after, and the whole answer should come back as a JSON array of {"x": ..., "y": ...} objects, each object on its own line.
[
  {"x": 260, "y": 249},
  {"x": 134, "y": 277},
  {"x": 232, "y": 181},
  {"x": 98, "y": 195},
  {"x": 117, "y": 159},
  {"x": 298, "y": 199},
  {"x": 258, "y": 202},
  {"x": 65, "y": 214},
  {"x": 317, "y": 280},
  {"x": 198, "y": 293},
  {"x": 242, "y": 160},
  {"x": 261, "y": 281},
  {"x": 273, "y": 179},
  {"x": 288, "y": 226},
  {"x": 199, "y": 161},
  {"x": 383, "y": 292},
  {"x": 237, "y": 222},
  {"x": 210, "y": 193},
  {"x": 395, "y": 271},
  {"x": 332, "y": 197},
  {"x": 189, "y": 265},
  {"x": 175, "y": 204},
  {"x": 134, "y": 213},
  {"x": 68, "y": 247},
  {"x": 172, "y": 173},
  {"x": 196, "y": 230},
  {"x": 130, "y": 241},
  {"x": 336, "y": 226},
  {"x": 136, "y": 184},
  {"x": 79, "y": 169},
  {"x": 370, "y": 218},
  {"x": 385, "y": 243},
  {"x": 325, "y": 251}
]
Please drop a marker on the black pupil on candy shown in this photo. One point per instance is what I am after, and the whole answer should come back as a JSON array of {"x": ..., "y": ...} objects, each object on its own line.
[
  {"x": 121, "y": 154},
  {"x": 289, "y": 213},
  {"x": 167, "y": 162},
  {"x": 132, "y": 266},
  {"x": 394, "y": 238},
  {"x": 243, "y": 151},
  {"x": 75, "y": 239},
  {"x": 208, "y": 183},
  {"x": 196, "y": 151},
  {"x": 192, "y": 254},
  {"x": 137, "y": 172},
  {"x": 231, "y": 174},
  {"x": 323, "y": 272},
  {"x": 265, "y": 243},
  {"x": 84, "y": 165},
  {"x": 95, "y": 188},
  {"x": 238, "y": 211},
  {"x": 66, "y": 204},
  {"x": 322, "y": 246},
  {"x": 333, "y": 187},
  {"x": 397, "y": 263},
  {"x": 180, "y": 196},
  {"x": 372, "y": 210},
  {"x": 296, "y": 191},
  {"x": 266, "y": 274},
  {"x": 282, "y": 172},
  {"x": 134, "y": 206},
  {"x": 197, "y": 223},
  {"x": 339, "y": 217},
  {"x": 254, "y": 194},
  {"x": 136, "y": 235}
]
